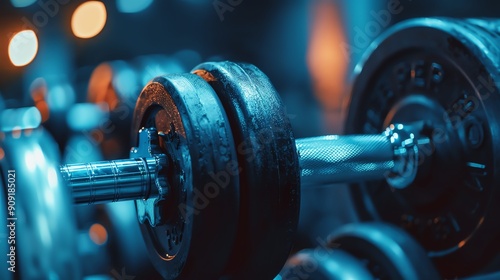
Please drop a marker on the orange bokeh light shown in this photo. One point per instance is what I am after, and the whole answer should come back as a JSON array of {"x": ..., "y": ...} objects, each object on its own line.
[
  {"x": 326, "y": 58},
  {"x": 98, "y": 234},
  {"x": 38, "y": 94},
  {"x": 88, "y": 19},
  {"x": 101, "y": 88}
]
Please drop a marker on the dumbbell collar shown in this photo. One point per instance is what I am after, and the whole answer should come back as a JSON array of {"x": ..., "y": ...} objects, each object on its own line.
[
  {"x": 150, "y": 207},
  {"x": 405, "y": 140}
]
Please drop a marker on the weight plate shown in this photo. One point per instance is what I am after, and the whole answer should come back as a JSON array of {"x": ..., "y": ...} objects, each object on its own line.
[
  {"x": 444, "y": 72},
  {"x": 324, "y": 264},
  {"x": 41, "y": 218},
  {"x": 268, "y": 160},
  {"x": 201, "y": 208},
  {"x": 387, "y": 251}
]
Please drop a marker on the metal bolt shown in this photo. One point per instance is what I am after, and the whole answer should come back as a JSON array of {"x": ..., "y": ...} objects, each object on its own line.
[{"x": 475, "y": 134}]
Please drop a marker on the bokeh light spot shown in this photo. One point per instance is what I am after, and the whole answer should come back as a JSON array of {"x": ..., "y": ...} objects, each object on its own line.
[
  {"x": 128, "y": 6},
  {"x": 89, "y": 19},
  {"x": 22, "y": 3},
  {"x": 23, "y": 47},
  {"x": 98, "y": 234}
]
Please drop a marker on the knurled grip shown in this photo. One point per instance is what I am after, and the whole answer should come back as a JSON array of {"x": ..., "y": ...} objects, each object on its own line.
[{"x": 344, "y": 159}]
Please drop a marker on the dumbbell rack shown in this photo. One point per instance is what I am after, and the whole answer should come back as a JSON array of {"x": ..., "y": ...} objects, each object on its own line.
[{"x": 216, "y": 172}]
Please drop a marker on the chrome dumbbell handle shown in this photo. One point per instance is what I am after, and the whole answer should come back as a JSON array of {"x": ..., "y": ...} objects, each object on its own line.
[
  {"x": 392, "y": 155},
  {"x": 331, "y": 159},
  {"x": 344, "y": 159},
  {"x": 111, "y": 181}
]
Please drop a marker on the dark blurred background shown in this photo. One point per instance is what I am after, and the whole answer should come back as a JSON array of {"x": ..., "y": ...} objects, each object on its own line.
[
  {"x": 80, "y": 53},
  {"x": 302, "y": 45}
]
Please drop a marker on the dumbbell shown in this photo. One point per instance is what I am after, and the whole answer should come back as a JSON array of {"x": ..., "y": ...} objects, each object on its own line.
[
  {"x": 370, "y": 250},
  {"x": 218, "y": 144},
  {"x": 215, "y": 171},
  {"x": 38, "y": 238},
  {"x": 263, "y": 155},
  {"x": 444, "y": 71}
]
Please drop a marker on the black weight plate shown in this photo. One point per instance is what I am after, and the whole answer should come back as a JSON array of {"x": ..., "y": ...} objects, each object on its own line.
[
  {"x": 201, "y": 209},
  {"x": 387, "y": 251},
  {"x": 269, "y": 178},
  {"x": 444, "y": 72},
  {"x": 324, "y": 264}
]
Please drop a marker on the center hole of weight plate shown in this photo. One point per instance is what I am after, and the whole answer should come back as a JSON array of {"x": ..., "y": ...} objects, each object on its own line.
[{"x": 425, "y": 117}]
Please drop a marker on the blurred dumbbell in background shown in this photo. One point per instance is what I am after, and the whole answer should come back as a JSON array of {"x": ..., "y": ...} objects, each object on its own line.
[{"x": 88, "y": 111}]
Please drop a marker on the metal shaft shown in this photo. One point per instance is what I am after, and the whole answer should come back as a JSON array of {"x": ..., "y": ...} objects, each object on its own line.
[
  {"x": 323, "y": 160},
  {"x": 344, "y": 159},
  {"x": 110, "y": 181},
  {"x": 392, "y": 155}
]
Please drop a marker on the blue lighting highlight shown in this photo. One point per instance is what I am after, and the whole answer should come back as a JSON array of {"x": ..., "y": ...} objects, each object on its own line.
[
  {"x": 128, "y": 6},
  {"x": 22, "y": 3}
]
